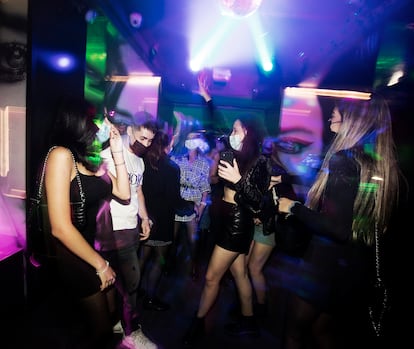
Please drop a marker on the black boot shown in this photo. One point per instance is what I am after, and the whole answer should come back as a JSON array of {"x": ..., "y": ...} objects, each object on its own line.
[
  {"x": 246, "y": 326},
  {"x": 194, "y": 333}
]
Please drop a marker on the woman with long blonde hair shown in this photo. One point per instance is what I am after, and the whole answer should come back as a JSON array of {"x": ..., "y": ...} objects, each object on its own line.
[{"x": 347, "y": 208}]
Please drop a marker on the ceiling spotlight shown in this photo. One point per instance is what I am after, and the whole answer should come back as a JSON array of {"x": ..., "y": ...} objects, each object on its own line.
[
  {"x": 90, "y": 16},
  {"x": 135, "y": 19}
]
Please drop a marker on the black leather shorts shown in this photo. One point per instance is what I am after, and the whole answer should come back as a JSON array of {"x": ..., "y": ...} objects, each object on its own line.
[{"x": 233, "y": 226}]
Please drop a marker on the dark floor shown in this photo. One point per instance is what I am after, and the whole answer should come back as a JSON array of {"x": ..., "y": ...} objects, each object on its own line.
[{"x": 45, "y": 328}]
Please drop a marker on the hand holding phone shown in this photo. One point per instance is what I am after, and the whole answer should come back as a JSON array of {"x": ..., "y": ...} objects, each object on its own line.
[
  {"x": 230, "y": 173},
  {"x": 227, "y": 156}
]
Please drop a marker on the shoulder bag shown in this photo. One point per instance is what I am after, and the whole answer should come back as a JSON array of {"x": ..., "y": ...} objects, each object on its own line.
[{"x": 41, "y": 239}]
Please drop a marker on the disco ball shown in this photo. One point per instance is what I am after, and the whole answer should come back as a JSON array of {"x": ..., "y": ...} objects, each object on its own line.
[{"x": 239, "y": 8}]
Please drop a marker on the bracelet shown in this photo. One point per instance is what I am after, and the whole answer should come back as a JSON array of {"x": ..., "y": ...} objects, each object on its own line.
[
  {"x": 117, "y": 151},
  {"x": 105, "y": 268},
  {"x": 203, "y": 203},
  {"x": 145, "y": 219},
  {"x": 121, "y": 163}
]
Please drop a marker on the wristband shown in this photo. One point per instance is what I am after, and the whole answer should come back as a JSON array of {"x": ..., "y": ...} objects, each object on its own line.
[{"x": 121, "y": 163}]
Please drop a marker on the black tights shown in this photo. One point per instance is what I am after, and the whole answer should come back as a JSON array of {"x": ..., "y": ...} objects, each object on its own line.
[
  {"x": 98, "y": 311},
  {"x": 306, "y": 325},
  {"x": 152, "y": 260},
  {"x": 191, "y": 241}
]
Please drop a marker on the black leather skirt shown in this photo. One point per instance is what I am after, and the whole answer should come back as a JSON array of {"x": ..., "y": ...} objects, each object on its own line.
[{"x": 232, "y": 226}]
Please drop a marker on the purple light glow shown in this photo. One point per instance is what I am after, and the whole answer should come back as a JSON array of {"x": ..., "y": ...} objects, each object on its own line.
[
  {"x": 12, "y": 225},
  {"x": 62, "y": 62}
]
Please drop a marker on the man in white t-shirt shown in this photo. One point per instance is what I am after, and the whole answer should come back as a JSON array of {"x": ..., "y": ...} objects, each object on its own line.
[{"x": 118, "y": 231}]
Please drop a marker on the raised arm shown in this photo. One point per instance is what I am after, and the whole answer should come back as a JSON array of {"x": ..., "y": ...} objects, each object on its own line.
[
  {"x": 120, "y": 183},
  {"x": 216, "y": 119}
]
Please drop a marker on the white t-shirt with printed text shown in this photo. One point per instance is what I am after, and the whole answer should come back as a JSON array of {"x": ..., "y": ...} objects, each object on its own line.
[{"x": 126, "y": 216}]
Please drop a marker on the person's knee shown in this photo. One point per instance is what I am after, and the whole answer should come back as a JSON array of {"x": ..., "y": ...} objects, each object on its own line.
[
  {"x": 254, "y": 269},
  {"x": 211, "y": 279},
  {"x": 243, "y": 284},
  {"x": 241, "y": 273}
]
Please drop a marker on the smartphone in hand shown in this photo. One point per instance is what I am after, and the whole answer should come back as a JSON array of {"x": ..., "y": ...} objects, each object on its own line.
[{"x": 227, "y": 156}]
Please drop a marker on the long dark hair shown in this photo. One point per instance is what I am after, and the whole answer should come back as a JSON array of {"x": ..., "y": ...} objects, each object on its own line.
[
  {"x": 250, "y": 150},
  {"x": 75, "y": 129},
  {"x": 156, "y": 150}
]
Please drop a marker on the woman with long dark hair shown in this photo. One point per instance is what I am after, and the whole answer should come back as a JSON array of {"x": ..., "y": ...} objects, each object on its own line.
[
  {"x": 161, "y": 188},
  {"x": 86, "y": 278},
  {"x": 245, "y": 178}
]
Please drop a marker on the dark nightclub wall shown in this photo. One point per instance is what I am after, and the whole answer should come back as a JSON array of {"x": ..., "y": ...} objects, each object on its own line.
[{"x": 56, "y": 28}]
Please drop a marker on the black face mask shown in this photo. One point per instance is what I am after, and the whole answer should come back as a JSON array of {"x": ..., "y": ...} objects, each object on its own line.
[{"x": 138, "y": 149}]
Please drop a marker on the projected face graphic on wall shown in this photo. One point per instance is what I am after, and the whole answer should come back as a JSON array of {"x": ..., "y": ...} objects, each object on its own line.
[
  {"x": 301, "y": 136},
  {"x": 13, "y": 68}
]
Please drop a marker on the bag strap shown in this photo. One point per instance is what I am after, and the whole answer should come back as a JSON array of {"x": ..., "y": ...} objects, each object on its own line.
[
  {"x": 377, "y": 319},
  {"x": 81, "y": 193},
  {"x": 42, "y": 177}
]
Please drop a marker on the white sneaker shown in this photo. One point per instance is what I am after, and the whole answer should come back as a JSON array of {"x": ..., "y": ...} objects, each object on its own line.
[
  {"x": 138, "y": 340},
  {"x": 118, "y": 329}
]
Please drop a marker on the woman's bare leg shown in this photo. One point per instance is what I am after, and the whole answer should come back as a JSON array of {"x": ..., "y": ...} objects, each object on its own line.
[
  {"x": 241, "y": 277},
  {"x": 259, "y": 255},
  {"x": 220, "y": 262}
]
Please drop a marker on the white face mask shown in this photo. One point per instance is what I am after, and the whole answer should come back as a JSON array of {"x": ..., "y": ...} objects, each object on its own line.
[
  {"x": 191, "y": 144},
  {"x": 235, "y": 142},
  {"x": 103, "y": 133},
  {"x": 195, "y": 143}
]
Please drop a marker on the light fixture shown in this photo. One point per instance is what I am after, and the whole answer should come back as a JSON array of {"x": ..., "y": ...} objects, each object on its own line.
[
  {"x": 91, "y": 15},
  {"x": 305, "y": 91},
  {"x": 221, "y": 75},
  {"x": 136, "y": 79},
  {"x": 135, "y": 19}
]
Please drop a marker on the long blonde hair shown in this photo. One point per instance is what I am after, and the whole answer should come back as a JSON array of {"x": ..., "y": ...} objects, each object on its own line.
[{"x": 366, "y": 130}]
